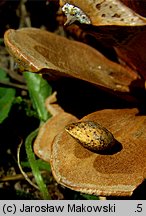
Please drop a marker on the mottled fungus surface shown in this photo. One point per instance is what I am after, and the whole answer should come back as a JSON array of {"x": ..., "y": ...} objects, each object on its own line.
[{"x": 118, "y": 174}]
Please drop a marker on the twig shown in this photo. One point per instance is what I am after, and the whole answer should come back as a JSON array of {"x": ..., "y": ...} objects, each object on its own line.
[
  {"x": 21, "y": 170},
  {"x": 13, "y": 85},
  {"x": 18, "y": 177},
  {"x": 24, "y": 16}
]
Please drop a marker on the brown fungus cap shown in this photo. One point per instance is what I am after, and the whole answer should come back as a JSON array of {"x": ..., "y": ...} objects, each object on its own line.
[
  {"x": 108, "y": 12},
  {"x": 117, "y": 174},
  {"x": 47, "y": 132},
  {"x": 119, "y": 24},
  {"x": 44, "y": 52}
]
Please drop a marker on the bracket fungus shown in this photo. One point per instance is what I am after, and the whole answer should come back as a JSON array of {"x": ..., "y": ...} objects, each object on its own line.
[
  {"x": 118, "y": 174},
  {"x": 106, "y": 173},
  {"x": 49, "y": 129},
  {"x": 44, "y": 52},
  {"x": 107, "y": 12},
  {"x": 118, "y": 23},
  {"x": 47, "y": 132}
]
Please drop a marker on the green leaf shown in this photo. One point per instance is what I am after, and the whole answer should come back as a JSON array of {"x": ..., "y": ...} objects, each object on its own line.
[
  {"x": 42, "y": 165},
  {"x": 34, "y": 166},
  {"x": 7, "y": 96},
  {"x": 90, "y": 197},
  {"x": 1, "y": 41},
  {"x": 39, "y": 90}
]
